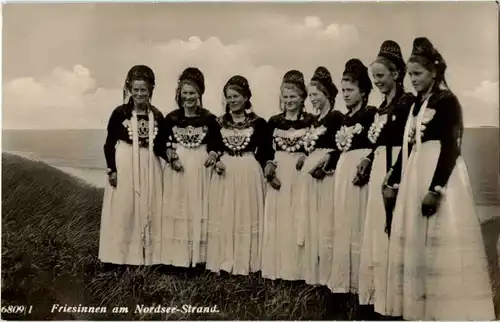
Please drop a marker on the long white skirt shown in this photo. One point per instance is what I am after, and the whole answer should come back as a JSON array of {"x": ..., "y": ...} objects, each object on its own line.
[
  {"x": 373, "y": 261},
  {"x": 284, "y": 223},
  {"x": 126, "y": 237},
  {"x": 317, "y": 202},
  {"x": 185, "y": 209},
  {"x": 236, "y": 213},
  {"x": 437, "y": 265},
  {"x": 349, "y": 217}
]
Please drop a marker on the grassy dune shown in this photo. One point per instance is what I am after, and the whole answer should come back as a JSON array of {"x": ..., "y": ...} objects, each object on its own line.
[{"x": 50, "y": 235}]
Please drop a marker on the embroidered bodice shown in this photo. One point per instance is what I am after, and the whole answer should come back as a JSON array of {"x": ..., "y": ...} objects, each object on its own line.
[
  {"x": 192, "y": 132},
  {"x": 441, "y": 121},
  {"x": 389, "y": 122},
  {"x": 290, "y": 135},
  {"x": 352, "y": 134},
  {"x": 120, "y": 128},
  {"x": 251, "y": 135},
  {"x": 322, "y": 132}
]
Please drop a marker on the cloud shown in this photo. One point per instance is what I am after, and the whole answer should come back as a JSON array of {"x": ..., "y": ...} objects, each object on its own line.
[
  {"x": 63, "y": 99},
  {"x": 71, "y": 98},
  {"x": 481, "y": 104},
  {"x": 486, "y": 92}
]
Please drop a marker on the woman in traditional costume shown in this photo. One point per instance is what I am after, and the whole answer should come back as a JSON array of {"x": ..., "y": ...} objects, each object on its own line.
[
  {"x": 386, "y": 133},
  {"x": 192, "y": 137},
  {"x": 285, "y": 224},
  {"x": 237, "y": 189},
  {"x": 350, "y": 199},
  {"x": 437, "y": 261},
  {"x": 131, "y": 212},
  {"x": 317, "y": 189}
]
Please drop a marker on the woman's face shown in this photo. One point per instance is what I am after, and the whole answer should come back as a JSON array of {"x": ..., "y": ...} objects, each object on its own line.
[
  {"x": 317, "y": 97},
  {"x": 235, "y": 101},
  {"x": 351, "y": 93},
  {"x": 189, "y": 96},
  {"x": 384, "y": 79},
  {"x": 292, "y": 101},
  {"x": 140, "y": 91},
  {"x": 421, "y": 78}
]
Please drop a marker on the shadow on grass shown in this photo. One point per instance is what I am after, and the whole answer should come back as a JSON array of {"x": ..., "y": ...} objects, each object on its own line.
[{"x": 50, "y": 236}]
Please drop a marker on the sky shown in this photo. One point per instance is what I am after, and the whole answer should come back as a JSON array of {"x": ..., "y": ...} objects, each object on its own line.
[{"x": 64, "y": 65}]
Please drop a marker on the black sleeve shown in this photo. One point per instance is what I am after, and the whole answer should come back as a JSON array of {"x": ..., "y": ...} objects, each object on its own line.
[
  {"x": 112, "y": 139},
  {"x": 368, "y": 121},
  {"x": 335, "y": 123},
  {"x": 451, "y": 127},
  {"x": 168, "y": 134},
  {"x": 332, "y": 161},
  {"x": 265, "y": 151},
  {"x": 214, "y": 139},
  {"x": 159, "y": 147},
  {"x": 395, "y": 177}
]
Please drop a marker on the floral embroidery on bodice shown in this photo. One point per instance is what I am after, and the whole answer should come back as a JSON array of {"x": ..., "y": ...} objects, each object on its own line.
[
  {"x": 190, "y": 136},
  {"x": 312, "y": 136},
  {"x": 142, "y": 130},
  {"x": 236, "y": 139},
  {"x": 290, "y": 140},
  {"x": 377, "y": 127},
  {"x": 344, "y": 136},
  {"x": 426, "y": 118}
]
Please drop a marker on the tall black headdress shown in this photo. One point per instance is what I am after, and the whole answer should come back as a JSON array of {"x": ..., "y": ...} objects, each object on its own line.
[
  {"x": 193, "y": 76},
  {"x": 323, "y": 76},
  {"x": 296, "y": 78},
  {"x": 139, "y": 72},
  {"x": 392, "y": 51},
  {"x": 239, "y": 84},
  {"x": 424, "y": 49},
  {"x": 359, "y": 73}
]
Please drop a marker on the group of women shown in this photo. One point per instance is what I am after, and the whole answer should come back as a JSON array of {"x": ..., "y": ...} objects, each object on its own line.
[{"x": 375, "y": 202}]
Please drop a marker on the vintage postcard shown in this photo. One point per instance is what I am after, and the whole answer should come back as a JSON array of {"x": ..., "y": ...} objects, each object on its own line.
[{"x": 250, "y": 161}]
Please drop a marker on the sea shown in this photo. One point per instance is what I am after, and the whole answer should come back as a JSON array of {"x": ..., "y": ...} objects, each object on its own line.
[{"x": 80, "y": 152}]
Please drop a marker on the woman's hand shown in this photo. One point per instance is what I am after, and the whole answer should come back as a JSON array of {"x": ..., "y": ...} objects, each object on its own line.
[
  {"x": 430, "y": 203},
  {"x": 363, "y": 174},
  {"x": 219, "y": 167},
  {"x": 270, "y": 170},
  {"x": 300, "y": 162},
  {"x": 211, "y": 159},
  {"x": 389, "y": 196},
  {"x": 275, "y": 183},
  {"x": 113, "y": 179},
  {"x": 177, "y": 165},
  {"x": 318, "y": 173},
  {"x": 171, "y": 155}
]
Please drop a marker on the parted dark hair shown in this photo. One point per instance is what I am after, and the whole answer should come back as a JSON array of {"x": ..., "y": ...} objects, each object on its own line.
[
  {"x": 136, "y": 73},
  {"x": 425, "y": 54},
  {"x": 356, "y": 72},
  {"x": 239, "y": 84},
  {"x": 194, "y": 77}
]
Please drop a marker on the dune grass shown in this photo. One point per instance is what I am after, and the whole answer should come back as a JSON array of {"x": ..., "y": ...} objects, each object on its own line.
[{"x": 50, "y": 236}]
